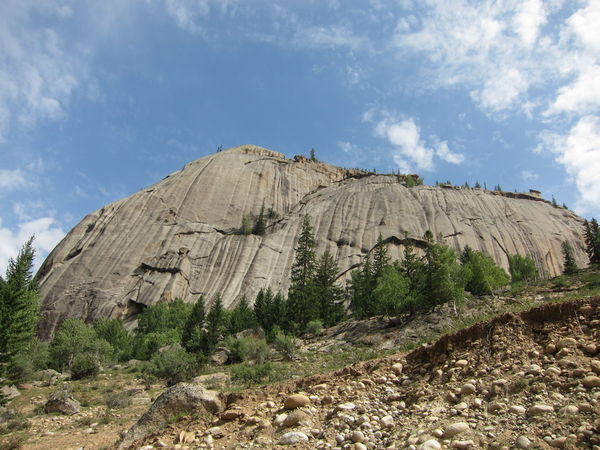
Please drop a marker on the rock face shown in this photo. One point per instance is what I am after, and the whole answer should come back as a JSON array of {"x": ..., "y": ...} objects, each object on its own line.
[{"x": 178, "y": 238}]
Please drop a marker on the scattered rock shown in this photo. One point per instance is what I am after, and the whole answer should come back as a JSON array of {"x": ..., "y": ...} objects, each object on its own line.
[
  {"x": 456, "y": 428},
  {"x": 62, "y": 402},
  {"x": 591, "y": 381},
  {"x": 539, "y": 409},
  {"x": 293, "y": 437},
  {"x": 296, "y": 401},
  {"x": 468, "y": 389},
  {"x": 430, "y": 444},
  {"x": 179, "y": 399},
  {"x": 523, "y": 442},
  {"x": 9, "y": 392}
]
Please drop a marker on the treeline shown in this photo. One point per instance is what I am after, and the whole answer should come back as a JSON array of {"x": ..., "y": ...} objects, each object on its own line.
[{"x": 173, "y": 340}]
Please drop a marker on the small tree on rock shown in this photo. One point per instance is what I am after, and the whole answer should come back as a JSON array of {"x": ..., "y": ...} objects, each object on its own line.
[{"x": 570, "y": 266}]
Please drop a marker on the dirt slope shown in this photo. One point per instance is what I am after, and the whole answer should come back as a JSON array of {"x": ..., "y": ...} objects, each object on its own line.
[{"x": 528, "y": 380}]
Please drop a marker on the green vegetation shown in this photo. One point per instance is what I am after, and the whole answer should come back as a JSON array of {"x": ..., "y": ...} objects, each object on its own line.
[
  {"x": 570, "y": 266},
  {"x": 19, "y": 305},
  {"x": 592, "y": 240},
  {"x": 522, "y": 269}
]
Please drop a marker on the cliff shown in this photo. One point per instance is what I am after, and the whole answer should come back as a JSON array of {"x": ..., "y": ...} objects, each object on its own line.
[{"x": 178, "y": 238}]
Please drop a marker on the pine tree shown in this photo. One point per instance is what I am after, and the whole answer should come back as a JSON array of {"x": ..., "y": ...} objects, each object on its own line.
[
  {"x": 592, "y": 241},
  {"x": 381, "y": 260},
  {"x": 360, "y": 287},
  {"x": 329, "y": 294},
  {"x": 242, "y": 317},
  {"x": 214, "y": 325},
  {"x": 302, "y": 304},
  {"x": 313, "y": 156},
  {"x": 570, "y": 266},
  {"x": 260, "y": 225},
  {"x": 193, "y": 336},
  {"x": 477, "y": 185},
  {"x": 443, "y": 277},
  {"x": 19, "y": 304}
]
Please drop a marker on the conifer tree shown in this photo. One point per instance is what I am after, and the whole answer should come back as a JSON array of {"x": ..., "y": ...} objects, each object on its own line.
[
  {"x": 193, "y": 336},
  {"x": 570, "y": 266},
  {"x": 260, "y": 225},
  {"x": 302, "y": 304},
  {"x": 329, "y": 294},
  {"x": 19, "y": 304},
  {"x": 242, "y": 317},
  {"x": 214, "y": 325},
  {"x": 381, "y": 260},
  {"x": 360, "y": 289},
  {"x": 592, "y": 241}
]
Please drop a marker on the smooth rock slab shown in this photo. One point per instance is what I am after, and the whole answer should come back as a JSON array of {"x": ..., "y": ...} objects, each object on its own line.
[{"x": 293, "y": 437}]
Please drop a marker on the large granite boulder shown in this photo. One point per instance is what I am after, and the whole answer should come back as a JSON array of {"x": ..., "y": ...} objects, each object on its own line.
[{"x": 179, "y": 237}]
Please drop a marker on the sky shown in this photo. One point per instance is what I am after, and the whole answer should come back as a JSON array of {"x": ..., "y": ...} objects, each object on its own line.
[{"x": 101, "y": 99}]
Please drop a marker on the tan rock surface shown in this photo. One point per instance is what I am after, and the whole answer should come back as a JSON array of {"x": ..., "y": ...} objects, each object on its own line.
[{"x": 177, "y": 238}]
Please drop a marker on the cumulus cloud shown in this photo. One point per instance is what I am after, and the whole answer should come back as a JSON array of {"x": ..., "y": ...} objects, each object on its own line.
[
  {"x": 47, "y": 235},
  {"x": 579, "y": 152},
  {"x": 408, "y": 147}
]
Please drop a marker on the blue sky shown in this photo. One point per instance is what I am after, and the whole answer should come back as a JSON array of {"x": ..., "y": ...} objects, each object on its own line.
[{"x": 100, "y": 99}]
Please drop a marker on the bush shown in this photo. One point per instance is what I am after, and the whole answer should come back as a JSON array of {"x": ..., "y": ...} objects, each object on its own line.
[
  {"x": 256, "y": 374},
  {"x": 84, "y": 365},
  {"x": 23, "y": 365},
  {"x": 247, "y": 348},
  {"x": 174, "y": 365},
  {"x": 522, "y": 268},
  {"x": 117, "y": 400},
  {"x": 113, "y": 332},
  {"x": 75, "y": 337},
  {"x": 285, "y": 344},
  {"x": 146, "y": 345},
  {"x": 482, "y": 274},
  {"x": 314, "y": 327}
]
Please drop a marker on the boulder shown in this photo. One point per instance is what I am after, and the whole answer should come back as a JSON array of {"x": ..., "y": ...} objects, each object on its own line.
[
  {"x": 9, "y": 392},
  {"x": 220, "y": 356},
  {"x": 296, "y": 401},
  {"x": 179, "y": 399},
  {"x": 61, "y": 401},
  {"x": 180, "y": 236}
]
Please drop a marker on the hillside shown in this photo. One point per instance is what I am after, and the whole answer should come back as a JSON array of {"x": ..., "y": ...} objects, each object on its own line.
[
  {"x": 179, "y": 238},
  {"x": 521, "y": 364}
]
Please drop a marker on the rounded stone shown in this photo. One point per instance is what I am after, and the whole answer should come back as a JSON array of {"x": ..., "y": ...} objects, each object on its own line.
[
  {"x": 358, "y": 436},
  {"x": 523, "y": 442},
  {"x": 468, "y": 389},
  {"x": 430, "y": 444},
  {"x": 293, "y": 437},
  {"x": 591, "y": 381},
  {"x": 455, "y": 429},
  {"x": 296, "y": 401}
]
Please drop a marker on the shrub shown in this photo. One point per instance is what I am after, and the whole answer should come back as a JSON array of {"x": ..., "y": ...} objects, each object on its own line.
[
  {"x": 84, "y": 365},
  {"x": 253, "y": 374},
  {"x": 164, "y": 317},
  {"x": 113, "y": 332},
  {"x": 482, "y": 274},
  {"x": 75, "y": 337},
  {"x": 23, "y": 365},
  {"x": 117, "y": 400},
  {"x": 522, "y": 268},
  {"x": 146, "y": 345},
  {"x": 314, "y": 327},
  {"x": 247, "y": 348},
  {"x": 174, "y": 365},
  {"x": 285, "y": 344}
]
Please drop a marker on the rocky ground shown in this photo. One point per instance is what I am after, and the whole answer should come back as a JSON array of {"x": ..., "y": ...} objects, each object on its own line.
[{"x": 526, "y": 380}]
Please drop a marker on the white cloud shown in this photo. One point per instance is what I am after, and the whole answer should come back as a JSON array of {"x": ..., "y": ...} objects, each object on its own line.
[
  {"x": 330, "y": 37},
  {"x": 529, "y": 175},
  {"x": 37, "y": 74},
  {"x": 11, "y": 179},
  {"x": 581, "y": 96},
  {"x": 445, "y": 154},
  {"x": 579, "y": 152},
  {"x": 408, "y": 146},
  {"x": 530, "y": 16},
  {"x": 47, "y": 235}
]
